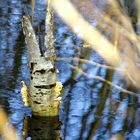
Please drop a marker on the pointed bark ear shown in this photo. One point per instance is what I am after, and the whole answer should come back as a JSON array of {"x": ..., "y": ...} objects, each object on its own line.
[
  {"x": 30, "y": 38},
  {"x": 49, "y": 37}
]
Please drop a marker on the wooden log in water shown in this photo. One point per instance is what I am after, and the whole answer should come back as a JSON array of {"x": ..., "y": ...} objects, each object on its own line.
[{"x": 42, "y": 75}]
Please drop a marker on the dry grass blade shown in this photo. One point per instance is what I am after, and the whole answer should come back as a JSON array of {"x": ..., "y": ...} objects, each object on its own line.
[
  {"x": 123, "y": 55},
  {"x": 33, "y": 8},
  {"x": 6, "y": 129},
  {"x": 84, "y": 30}
]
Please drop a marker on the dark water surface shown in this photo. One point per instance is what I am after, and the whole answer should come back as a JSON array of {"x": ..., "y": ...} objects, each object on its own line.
[{"x": 91, "y": 109}]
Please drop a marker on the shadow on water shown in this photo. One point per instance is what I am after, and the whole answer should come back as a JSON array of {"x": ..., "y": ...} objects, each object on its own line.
[
  {"x": 41, "y": 128},
  {"x": 90, "y": 109},
  {"x": 44, "y": 128}
]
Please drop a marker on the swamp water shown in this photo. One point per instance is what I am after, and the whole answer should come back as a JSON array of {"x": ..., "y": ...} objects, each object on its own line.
[{"x": 90, "y": 108}]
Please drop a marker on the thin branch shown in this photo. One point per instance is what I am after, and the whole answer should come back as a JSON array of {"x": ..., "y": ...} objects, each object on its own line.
[
  {"x": 123, "y": 71},
  {"x": 104, "y": 80},
  {"x": 92, "y": 63}
]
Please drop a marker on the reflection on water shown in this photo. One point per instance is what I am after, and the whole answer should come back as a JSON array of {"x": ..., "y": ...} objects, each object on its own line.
[
  {"x": 13, "y": 60},
  {"x": 90, "y": 109}
]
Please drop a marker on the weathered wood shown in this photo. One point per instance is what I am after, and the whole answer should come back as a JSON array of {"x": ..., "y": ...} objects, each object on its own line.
[
  {"x": 30, "y": 39},
  {"x": 49, "y": 38},
  {"x": 42, "y": 76}
]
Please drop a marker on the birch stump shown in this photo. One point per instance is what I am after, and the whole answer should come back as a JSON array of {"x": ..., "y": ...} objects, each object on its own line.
[{"x": 43, "y": 84}]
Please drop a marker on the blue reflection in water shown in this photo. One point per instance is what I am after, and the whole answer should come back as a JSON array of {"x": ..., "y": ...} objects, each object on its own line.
[
  {"x": 12, "y": 59},
  {"x": 85, "y": 109},
  {"x": 120, "y": 117}
]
